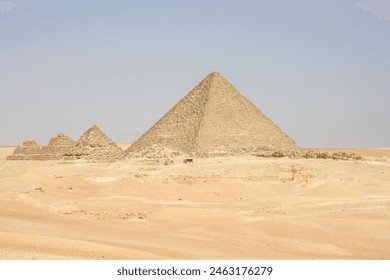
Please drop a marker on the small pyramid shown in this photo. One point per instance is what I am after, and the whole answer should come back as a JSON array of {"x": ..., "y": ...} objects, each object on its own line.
[
  {"x": 95, "y": 145},
  {"x": 57, "y": 147},
  {"x": 214, "y": 117},
  {"x": 28, "y": 151}
]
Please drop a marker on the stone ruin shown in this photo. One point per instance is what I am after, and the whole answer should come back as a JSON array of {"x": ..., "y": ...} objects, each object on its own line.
[
  {"x": 213, "y": 119},
  {"x": 55, "y": 150},
  {"x": 29, "y": 150},
  {"x": 92, "y": 145},
  {"x": 155, "y": 152},
  {"x": 95, "y": 145},
  {"x": 58, "y": 146}
]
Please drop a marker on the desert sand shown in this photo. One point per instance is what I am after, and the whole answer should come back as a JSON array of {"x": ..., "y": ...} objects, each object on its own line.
[{"x": 242, "y": 207}]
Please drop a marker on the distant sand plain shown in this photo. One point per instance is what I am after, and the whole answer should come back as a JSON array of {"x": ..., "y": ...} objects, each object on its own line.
[{"x": 216, "y": 208}]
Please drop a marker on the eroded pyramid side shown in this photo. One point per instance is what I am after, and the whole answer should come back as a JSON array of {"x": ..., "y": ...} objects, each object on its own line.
[
  {"x": 178, "y": 129},
  {"x": 231, "y": 123}
]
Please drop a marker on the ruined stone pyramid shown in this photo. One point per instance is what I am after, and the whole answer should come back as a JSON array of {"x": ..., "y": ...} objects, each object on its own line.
[
  {"x": 58, "y": 147},
  {"x": 28, "y": 151},
  {"x": 214, "y": 117},
  {"x": 55, "y": 150},
  {"x": 95, "y": 145}
]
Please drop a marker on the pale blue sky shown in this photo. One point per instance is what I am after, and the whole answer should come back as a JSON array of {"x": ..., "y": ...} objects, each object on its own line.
[{"x": 319, "y": 69}]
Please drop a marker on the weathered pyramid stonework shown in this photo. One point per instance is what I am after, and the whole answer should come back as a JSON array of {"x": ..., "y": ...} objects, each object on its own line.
[
  {"x": 61, "y": 140},
  {"x": 95, "y": 145},
  {"x": 214, "y": 117},
  {"x": 56, "y": 149},
  {"x": 27, "y": 151},
  {"x": 30, "y": 150},
  {"x": 58, "y": 146}
]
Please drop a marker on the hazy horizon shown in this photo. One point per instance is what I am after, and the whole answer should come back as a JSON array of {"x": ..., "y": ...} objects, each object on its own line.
[{"x": 320, "y": 71}]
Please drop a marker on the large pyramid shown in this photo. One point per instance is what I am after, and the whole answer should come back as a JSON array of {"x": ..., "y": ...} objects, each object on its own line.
[
  {"x": 214, "y": 117},
  {"x": 95, "y": 145}
]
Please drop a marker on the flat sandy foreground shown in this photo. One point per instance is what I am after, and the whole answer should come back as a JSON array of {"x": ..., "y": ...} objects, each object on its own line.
[{"x": 216, "y": 208}]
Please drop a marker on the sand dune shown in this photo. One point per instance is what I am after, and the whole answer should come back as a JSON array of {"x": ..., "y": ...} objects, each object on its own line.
[{"x": 216, "y": 208}]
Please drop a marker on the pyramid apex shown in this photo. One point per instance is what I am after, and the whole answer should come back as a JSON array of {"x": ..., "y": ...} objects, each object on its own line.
[
  {"x": 94, "y": 128},
  {"x": 214, "y": 73},
  {"x": 30, "y": 143},
  {"x": 90, "y": 132},
  {"x": 215, "y": 76},
  {"x": 60, "y": 139}
]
